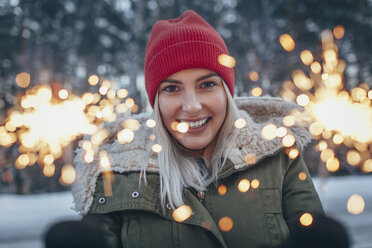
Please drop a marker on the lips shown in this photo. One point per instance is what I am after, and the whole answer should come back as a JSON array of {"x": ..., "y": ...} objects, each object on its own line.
[{"x": 196, "y": 126}]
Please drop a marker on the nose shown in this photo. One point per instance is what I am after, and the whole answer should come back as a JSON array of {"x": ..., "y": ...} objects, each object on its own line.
[{"x": 191, "y": 103}]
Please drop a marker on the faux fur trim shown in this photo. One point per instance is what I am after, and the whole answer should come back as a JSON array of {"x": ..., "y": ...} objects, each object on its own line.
[{"x": 129, "y": 157}]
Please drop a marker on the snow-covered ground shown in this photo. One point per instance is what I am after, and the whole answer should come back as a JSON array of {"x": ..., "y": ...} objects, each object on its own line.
[{"x": 24, "y": 219}]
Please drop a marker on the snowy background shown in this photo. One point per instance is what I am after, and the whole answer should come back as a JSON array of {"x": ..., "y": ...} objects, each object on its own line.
[{"x": 24, "y": 219}]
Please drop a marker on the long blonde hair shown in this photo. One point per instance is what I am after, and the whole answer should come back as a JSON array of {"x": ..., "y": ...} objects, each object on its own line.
[{"x": 177, "y": 170}]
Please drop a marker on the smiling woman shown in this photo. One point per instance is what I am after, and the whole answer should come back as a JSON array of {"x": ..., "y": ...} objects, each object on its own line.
[
  {"x": 200, "y": 170},
  {"x": 196, "y": 97}
]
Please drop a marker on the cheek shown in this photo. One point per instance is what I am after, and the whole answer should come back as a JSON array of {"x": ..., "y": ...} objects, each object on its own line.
[
  {"x": 167, "y": 110},
  {"x": 220, "y": 104}
]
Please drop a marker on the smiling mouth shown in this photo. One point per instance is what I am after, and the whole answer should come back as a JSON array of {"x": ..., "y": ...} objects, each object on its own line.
[{"x": 196, "y": 124}]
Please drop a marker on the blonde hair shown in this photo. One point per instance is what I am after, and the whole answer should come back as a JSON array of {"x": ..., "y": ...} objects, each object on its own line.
[{"x": 178, "y": 170}]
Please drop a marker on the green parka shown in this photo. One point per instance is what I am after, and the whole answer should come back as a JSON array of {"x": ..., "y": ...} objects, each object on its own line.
[{"x": 133, "y": 216}]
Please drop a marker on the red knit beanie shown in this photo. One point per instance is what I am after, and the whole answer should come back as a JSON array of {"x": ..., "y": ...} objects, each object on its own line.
[{"x": 183, "y": 43}]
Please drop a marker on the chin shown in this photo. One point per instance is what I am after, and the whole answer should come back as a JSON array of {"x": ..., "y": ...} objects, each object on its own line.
[{"x": 194, "y": 146}]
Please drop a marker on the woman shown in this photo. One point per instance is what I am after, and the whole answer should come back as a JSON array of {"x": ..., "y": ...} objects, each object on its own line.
[{"x": 209, "y": 167}]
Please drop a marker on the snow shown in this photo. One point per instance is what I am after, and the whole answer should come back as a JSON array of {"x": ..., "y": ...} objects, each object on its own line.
[{"x": 24, "y": 219}]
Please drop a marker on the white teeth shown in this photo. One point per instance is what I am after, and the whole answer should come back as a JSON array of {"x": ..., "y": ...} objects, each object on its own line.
[{"x": 197, "y": 124}]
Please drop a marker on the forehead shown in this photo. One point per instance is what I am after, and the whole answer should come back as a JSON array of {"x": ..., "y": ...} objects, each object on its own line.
[{"x": 193, "y": 73}]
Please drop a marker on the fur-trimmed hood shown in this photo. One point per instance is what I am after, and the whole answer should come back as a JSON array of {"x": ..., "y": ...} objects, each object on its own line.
[{"x": 258, "y": 112}]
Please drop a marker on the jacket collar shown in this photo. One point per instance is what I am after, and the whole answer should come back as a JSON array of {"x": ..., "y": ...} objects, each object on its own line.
[{"x": 249, "y": 146}]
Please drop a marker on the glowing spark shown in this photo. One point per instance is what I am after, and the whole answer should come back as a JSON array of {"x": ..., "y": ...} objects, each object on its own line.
[
  {"x": 338, "y": 139},
  {"x": 23, "y": 79},
  {"x": 269, "y": 131},
  {"x": 353, "y": 157},
  {"x": 240, "y": 123},
  {"x": 49, "y": 170},
  {"x": 315, "y": 67},
  {"x": 48, "y": 159},
  {"x": 225, "y": 224},
  {"x": 288, "y": 140},
  {"x": 156, "y": 148},
  {"x": 255, "y": 183},
  {"x": 131, "y": 124},
  {"x": 250, "y": 159},
  {"x": 244, "y": 185},
  {"x": 151, "y": 123},
  {"x": 129, "y": 102},
  {"x": 122, "y": 93},
  {"x": 327, "y": 154},
  {"x": 287, "y": 42},
  {"x": 370, "y": 94},
  {"x": 293, "y": 153},
  {"x": 333, "y": 164},
  {"x": 68, "y": 174},
  {"x": 306, "y": 57},
  {"x": 93, "y": 80},
  {"x": 302, "y": 81},
  {"x": 99, "y": 137},
  {"x": 227, "y": 60},
  {"x": 125, "y": 136},
  {"x": 106, "y": 83},
  {"x": 182, "y": 213},
  {"x": 289, "y": 121},
  {"x": 87, "y": 145},
  {"x": 89, "y": 156},
  {"x": 316, "y": 128},
  {"x": 306, "y": 219},
  {"x": 63, "y": 94},
  {"x": 104, "y": 160},
  {"x": 253, "y": 76},
  {"x": 103, "y": 90},
  {"x": 281, "y": 132},
  {"x": 22, "y": 161},
  {"x": 339, "y": 32},
  {"x": 326, "y": 134},
  {"x": 222, "y": 189},
  {"x": 302, "y": 176},
  {"x": 257, "y": 91},
  {"x": 182, "y": 127},
  {"x": 121, "y": 108},
  {"x": 302, "y": 100},
  {"x": 111, "y": 94},
  {"x": 367, "y": 166},
  {"x": 355, "y": 204}
]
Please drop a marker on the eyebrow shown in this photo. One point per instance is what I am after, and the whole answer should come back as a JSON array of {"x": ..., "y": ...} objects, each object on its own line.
[{"x": 197, "y": 80}]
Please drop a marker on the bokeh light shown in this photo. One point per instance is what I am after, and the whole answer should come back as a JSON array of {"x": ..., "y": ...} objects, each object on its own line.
[
  {"x": 182, "y": 213},
  {"x": 240, "y": 123},
  {"x": 23, "y": 79},
  {"x": 225, "y": 224},
  {"x": 93, "y": 80},
  {"x": 355, "y": 204},
  {"x": 156, "y": 148},
  {"x": 227, "y": 60},
  {"x": 244, "y": 185},
  {"x": 287, "y": 42},
  {"x": 306, "y": 219},
  {"x": 222, "y": 189}
]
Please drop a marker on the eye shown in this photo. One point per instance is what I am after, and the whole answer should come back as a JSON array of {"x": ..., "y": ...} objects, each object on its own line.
[
  {"x": 170, "y": 88},
  {"x": 208, "y": 84}
]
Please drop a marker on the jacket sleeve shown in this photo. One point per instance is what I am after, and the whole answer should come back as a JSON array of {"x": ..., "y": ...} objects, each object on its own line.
[
  {"x": 299, "y": 195},
  {"x": 109, "y": 225}
]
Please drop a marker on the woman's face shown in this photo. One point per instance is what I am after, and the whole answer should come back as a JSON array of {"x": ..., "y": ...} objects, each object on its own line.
[{"x": 197, "y": 97}]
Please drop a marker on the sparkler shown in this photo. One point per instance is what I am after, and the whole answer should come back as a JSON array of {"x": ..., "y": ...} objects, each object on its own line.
[
  {"x": 45, "y": 122},
  {"x": 337, "y": 117}
]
